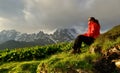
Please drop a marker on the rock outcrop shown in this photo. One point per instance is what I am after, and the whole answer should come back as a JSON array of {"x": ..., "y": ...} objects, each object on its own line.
[{"x": 109, "y": 62}]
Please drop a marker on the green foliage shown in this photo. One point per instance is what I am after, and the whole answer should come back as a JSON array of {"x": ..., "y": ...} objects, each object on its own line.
[
  {"x": 33, "y": 53},
  {"x": 4, "y": 70},
  {"x": 19, "y": 67},
  {"x": 26, "y": 67}
]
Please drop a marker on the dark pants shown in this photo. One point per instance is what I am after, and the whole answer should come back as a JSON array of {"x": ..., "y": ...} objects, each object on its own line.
[{"x": 80, "y": 39}]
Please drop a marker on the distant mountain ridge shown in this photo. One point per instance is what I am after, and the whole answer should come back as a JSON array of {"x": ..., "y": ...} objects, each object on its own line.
[{"x": 41, "y": 38}]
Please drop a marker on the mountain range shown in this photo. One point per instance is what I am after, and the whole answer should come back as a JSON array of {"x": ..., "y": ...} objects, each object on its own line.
[{"x": 14, "y": 39}]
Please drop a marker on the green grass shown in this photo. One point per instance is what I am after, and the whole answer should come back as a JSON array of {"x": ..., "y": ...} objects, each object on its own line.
[
  {"x": 19, "y": 67},
  {"x": 60, "y": 61},
  {"x": 63, "y": 61}
]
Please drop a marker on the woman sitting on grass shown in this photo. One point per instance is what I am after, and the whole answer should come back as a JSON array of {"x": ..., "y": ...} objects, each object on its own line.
[{"x": 89, "y": 37}]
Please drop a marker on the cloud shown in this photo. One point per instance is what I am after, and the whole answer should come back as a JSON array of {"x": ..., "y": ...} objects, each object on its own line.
[
  {"x": 47, "y": 15},
  {"x": 50, "y": 14},
  {"x": 11, "y": 15},
  {"x": 3, "y": 21},
  {"x": 11, "y": 8}
]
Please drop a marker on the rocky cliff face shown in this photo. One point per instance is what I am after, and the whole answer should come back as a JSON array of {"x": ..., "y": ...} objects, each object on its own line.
[{"x": 60, "y": 35}]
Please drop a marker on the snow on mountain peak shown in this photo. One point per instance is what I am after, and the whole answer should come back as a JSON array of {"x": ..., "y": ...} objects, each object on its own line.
[{"x": 60, "y": 35}]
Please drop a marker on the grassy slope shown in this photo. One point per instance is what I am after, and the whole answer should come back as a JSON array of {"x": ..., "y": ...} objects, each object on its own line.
[
  {"x": 19, "y": 67},
  {"x": 59, "y": 61}
]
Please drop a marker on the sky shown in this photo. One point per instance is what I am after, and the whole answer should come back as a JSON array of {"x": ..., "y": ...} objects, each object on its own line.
[{"x": 29, "y": 16}]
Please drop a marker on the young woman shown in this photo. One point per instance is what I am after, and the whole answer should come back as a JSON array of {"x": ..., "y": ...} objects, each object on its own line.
[{"x": 89, "y": 37}]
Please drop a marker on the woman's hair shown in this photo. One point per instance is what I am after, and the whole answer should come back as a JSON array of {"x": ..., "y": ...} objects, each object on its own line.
[
  {"x": 96, "y": 21},
  {"x": 93, "y": 19}
]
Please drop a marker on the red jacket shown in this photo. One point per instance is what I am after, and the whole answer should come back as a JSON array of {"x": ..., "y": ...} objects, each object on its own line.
[{"x": 93, "y": 30}]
